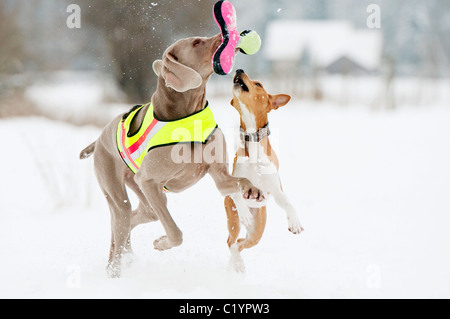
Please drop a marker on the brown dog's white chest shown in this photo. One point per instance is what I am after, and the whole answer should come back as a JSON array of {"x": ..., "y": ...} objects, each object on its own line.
[{"x": 256, "y": 167}]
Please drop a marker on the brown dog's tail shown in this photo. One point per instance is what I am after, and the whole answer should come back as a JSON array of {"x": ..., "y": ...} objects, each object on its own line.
[{"x": 88, "y": 151}]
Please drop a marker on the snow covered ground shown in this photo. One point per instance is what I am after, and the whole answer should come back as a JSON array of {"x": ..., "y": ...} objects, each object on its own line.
[{"x": 372, "y": 190}]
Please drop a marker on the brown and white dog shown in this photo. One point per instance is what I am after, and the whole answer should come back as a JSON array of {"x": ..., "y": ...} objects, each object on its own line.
[
  {"x": 183, "y": 72},
  {"x": 255, "y": 160}
]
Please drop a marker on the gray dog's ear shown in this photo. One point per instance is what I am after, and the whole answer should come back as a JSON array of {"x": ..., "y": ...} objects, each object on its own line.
[
  {"x": 157, "y": 65},
  {"x": 179, "y": 77}
]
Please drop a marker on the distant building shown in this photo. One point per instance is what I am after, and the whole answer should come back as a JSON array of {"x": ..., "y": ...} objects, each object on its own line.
[
  {"x": 346, "y": 65},
  {"x": 333, "y": 46}
]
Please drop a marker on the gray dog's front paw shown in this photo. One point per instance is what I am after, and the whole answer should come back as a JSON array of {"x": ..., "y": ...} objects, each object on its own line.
[
  {"x": 251, "y": 192},
  {"x": 163, "y": 243},
  {"x": 254, "y": 193}
]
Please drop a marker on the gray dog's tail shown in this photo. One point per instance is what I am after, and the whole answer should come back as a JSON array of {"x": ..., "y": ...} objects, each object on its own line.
[{"x": 88, "y": 151}]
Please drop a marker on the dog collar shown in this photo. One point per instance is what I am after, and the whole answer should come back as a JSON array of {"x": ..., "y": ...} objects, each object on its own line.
[{"x": 257, "y": 136}]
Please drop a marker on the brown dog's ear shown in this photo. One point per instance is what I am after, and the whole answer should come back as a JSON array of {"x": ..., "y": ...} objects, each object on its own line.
[
  {"x": 277, "y": 101},
  {"x": 179, "y": 77}
]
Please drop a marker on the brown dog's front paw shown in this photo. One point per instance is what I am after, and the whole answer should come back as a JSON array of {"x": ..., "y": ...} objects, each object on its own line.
[{"x": 294, "y": 225}]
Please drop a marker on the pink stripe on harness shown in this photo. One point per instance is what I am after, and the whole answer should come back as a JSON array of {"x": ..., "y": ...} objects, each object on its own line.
[{"x": 133, "y": 148}]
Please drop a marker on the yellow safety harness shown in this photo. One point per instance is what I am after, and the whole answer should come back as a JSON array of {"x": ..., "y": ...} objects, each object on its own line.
[{"x": 195, "y": 128}]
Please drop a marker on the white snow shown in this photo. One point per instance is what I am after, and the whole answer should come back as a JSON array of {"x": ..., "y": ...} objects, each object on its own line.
[
  {"x": 77, "y": 96},
  {"x": 371, "y": 189}
]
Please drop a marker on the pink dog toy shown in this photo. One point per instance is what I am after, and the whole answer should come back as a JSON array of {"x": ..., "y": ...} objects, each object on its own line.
[
  {"x": 247, "y": 42},
  {"x": 225, "y": 17}
]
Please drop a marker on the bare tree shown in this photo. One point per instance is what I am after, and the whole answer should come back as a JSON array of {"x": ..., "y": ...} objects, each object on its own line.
[
  {"x": 11, "y": 42},
  {"x": 138, "y": 31}
]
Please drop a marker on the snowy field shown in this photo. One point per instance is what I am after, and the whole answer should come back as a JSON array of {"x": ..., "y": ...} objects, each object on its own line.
[{"x": 372, "y": 190}]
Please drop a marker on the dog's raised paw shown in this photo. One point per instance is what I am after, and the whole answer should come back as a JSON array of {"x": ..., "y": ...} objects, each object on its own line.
[
  {"x": 254, "y": 194},
  {"x": 294, "y": 226},
  {"x": 163, "y": 243}
]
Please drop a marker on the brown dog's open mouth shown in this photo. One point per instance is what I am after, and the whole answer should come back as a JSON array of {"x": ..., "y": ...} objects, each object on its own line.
[{"x": 239, "y": 83}]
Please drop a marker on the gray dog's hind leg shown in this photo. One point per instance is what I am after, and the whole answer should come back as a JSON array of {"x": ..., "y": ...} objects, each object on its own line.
[{"x": 113, "y": 188}]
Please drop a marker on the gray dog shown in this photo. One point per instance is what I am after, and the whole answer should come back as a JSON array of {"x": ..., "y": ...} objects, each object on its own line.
[{"x": 182, "y": 76}]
